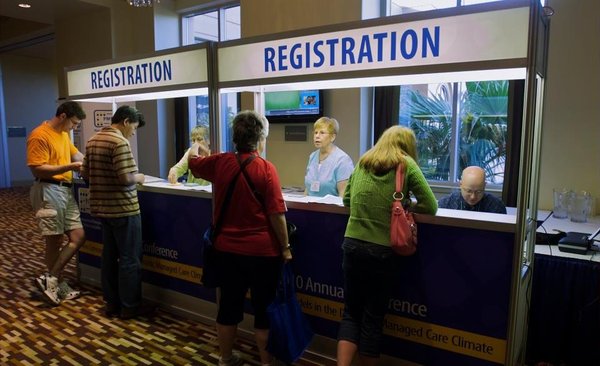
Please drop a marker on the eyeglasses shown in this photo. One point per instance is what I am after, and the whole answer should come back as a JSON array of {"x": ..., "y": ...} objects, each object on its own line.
[
  {"x": 321, "y": 133},
  {"x": 75, "y": 121},
  {"x": 472, "y": 192}
]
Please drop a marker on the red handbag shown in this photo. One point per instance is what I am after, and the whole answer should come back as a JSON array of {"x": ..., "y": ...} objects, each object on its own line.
[{"x": 403, "y": 229}]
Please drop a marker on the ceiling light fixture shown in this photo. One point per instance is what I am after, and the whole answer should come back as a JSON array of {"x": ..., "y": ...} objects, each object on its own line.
[
  {"x": 24, "y": 5},
  {"x": 138, "y": 3}
]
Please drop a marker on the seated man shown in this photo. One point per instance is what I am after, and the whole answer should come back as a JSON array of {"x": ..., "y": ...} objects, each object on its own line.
[{"x": 472, "y": 195}]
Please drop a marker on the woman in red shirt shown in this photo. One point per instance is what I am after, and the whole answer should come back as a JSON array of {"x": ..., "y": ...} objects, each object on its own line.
[{"x": 252, "y": 239}]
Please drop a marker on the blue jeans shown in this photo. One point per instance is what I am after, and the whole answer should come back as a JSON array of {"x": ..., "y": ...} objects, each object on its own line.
[
  {"x": 370, "y": 273},
  {"x": 122, "y": 261}
]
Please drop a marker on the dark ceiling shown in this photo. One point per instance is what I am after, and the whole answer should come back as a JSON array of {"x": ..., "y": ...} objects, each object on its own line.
[{"x": 30, "y": 32}]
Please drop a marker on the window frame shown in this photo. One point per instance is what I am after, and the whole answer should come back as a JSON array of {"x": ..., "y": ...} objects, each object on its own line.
[
  {"x": 513, "y": 121},
  {"x": 388, "y": 5},
  {"x": 221, "y": 10},
  {"x": 457, "y": 89},
  {"x": 187, "y": 38}
]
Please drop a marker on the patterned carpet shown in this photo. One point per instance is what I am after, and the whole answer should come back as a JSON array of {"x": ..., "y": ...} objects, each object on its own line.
[{"x": 77, "y": 332}]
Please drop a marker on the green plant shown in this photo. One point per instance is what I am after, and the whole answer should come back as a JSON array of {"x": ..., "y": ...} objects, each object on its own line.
[
  {"x": 484, "y": 127},
  {"x": 481, "y": 138}
]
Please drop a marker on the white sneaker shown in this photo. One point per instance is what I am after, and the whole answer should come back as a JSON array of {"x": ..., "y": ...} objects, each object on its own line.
[
  {"x": 234, "y": 360},
  {"x": 65, "y": 292},
  {"x": 40, "y": 282},
  {"x": 48, "y": 284}
]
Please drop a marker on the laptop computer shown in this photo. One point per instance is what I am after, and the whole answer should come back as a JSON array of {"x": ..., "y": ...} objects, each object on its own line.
[{"x": 577, "y": 243}]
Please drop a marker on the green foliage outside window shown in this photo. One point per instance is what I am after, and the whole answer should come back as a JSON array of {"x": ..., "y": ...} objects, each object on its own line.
[{"x": 481, "y": 132}]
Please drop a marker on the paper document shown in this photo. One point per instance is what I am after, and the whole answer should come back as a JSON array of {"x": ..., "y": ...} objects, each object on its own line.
[
  {"x": 328, "y": 199},
  {"x": 180, "y": 186},
  {"x": 152, "y": 179}
]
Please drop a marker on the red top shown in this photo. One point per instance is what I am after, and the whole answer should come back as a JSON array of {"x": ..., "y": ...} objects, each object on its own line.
[{"x": 246, "y": 228}]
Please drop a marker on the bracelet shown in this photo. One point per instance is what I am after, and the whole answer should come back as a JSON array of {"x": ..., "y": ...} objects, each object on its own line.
[{"x": 287, "y": 246}]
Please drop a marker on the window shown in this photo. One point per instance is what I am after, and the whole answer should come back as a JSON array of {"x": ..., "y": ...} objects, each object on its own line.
[
  {"x": 397, "y": 7},
  {"x": 412, "y": 6},
  {"x": 220, "y": 24},
  {"x": 458, "y": 125}
]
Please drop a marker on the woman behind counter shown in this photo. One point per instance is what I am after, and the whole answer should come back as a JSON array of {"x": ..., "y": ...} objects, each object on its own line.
[
  {"x": 253, "y": 237},
  {"x": 199, "y": 134},
  {"x": 328, "y": 167},
  {"x": 369, "y": 265}
]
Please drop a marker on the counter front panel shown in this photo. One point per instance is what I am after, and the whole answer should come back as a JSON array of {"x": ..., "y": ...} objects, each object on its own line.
[{"x": 451, "y": 304}]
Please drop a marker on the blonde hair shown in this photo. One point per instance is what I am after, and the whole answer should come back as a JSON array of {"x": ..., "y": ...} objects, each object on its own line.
[
  {"x": 330, "y": 124},
  {"x": 389, "y": 151},
  {"x": 199, "y": 133}
]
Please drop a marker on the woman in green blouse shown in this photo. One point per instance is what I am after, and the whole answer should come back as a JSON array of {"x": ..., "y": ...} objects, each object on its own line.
[{"x": 370, "y": 266}]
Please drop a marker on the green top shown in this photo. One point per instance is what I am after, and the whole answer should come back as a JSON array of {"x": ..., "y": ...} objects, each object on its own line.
[
  {"x": 182, "y": 167},
  {"x": 370, "y": 200}
]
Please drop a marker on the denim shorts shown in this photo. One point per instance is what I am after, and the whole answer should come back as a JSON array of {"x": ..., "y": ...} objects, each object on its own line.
[{"x": 55, "y": 208}]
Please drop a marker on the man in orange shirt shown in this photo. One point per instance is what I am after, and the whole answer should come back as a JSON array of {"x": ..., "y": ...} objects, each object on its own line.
[{"x": 52, "y": 158}]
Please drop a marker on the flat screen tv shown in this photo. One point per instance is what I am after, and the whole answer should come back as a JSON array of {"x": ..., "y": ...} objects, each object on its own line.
[{"x": 303, "y": 106}]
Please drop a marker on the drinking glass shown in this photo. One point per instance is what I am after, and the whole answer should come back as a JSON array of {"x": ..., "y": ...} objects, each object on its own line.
[
  {"x": 580, "y": 206},
  {"x": 561, "y": 203}
]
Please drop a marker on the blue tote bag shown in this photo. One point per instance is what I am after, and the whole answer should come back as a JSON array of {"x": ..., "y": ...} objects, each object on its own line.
[
  {"x": 210, "y": 266},
  {"x": 290, "y": 333}
]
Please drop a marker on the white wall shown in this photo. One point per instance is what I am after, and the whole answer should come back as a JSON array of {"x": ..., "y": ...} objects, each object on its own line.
[{"x": 571, "y": 119}]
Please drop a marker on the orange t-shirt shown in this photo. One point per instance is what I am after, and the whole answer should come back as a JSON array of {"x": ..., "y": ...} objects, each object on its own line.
[{"x": 46, "y": 146}]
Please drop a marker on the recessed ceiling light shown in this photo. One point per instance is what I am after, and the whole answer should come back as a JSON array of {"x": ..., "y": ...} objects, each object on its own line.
[{"x": 24, "y": 5}]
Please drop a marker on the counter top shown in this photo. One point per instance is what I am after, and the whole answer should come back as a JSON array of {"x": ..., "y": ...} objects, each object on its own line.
[
  {"x": 551, "y": 224},
  {"x": 332, "y": 204}
]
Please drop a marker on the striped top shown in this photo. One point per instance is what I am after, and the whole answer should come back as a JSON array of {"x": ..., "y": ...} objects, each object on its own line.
[{"x": 108, "y": 155}]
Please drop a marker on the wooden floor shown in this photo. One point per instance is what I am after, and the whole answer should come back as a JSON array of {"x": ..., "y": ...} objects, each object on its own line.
[{"x": 77, "y": 332}]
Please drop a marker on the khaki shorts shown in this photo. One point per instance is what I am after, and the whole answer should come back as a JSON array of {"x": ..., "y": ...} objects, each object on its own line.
[{"x": 55, "y": 208}]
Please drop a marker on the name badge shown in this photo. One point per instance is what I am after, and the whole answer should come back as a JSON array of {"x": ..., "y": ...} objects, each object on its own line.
[{"x": 315, "y": 186}]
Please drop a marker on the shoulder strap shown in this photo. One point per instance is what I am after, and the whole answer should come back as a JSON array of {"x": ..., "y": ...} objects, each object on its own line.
[
  {"x": 256, "y": 194},
  {"x": 219, "y": 221},
  {"x": 398, "y": 195},
  {"x": 399, "y": 178}
]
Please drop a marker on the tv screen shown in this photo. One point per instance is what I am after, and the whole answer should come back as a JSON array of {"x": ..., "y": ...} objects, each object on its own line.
[{"x": 293, "y": 106}]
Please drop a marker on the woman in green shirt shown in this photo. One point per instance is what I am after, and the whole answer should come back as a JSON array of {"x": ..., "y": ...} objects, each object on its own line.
[
  {"x": 370, "y": 266},
  {"x": 199, "y": 134}
]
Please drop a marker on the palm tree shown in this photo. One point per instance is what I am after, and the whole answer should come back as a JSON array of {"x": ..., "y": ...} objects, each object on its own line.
[
  {"x": 482, "y": 132},
  {"x": 430, "y": 117},
  {"x": 483, "y": 129}
]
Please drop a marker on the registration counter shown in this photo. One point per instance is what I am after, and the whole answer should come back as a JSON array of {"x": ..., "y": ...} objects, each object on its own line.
[
  {"x": 450, "y": 306},
  {"x": 463, "y": 298}
]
